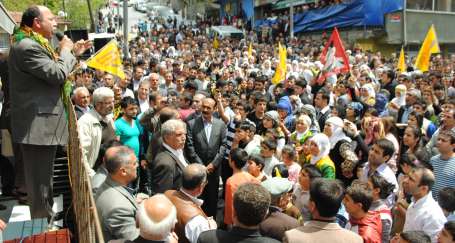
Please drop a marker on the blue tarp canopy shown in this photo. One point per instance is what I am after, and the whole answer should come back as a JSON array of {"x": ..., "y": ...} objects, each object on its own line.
[{"x": 348, "y": 14}]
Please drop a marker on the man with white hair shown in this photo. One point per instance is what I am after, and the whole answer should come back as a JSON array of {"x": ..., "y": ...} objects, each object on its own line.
[
  {"x": 168, "y": 164},
  {"x": 156, "y": 218},
  {"x": 81, "y": 99},
  {"x": 96, "y": 127}
]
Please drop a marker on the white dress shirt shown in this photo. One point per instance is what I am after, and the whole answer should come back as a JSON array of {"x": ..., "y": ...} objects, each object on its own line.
[
  {"x": 426, "y": 215},
  {"x": 179, "y": 154},
  {"x": 196, "y": 225},
  {"x": 144, "y": 104},
  {"x": 388, "y": 174},
  {"x": 207, "y": 129}
]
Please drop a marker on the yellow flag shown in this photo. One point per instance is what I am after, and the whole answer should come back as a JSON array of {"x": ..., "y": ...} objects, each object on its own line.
[
  {"x": 401, "y": 63},
  {"x": 250, "y": 50},
  {"x": 429, "y": 46},
  {"x": 216, "y": 44},
  {"x": 280, "y": 72},
  {"x": 108, "y": 59}
]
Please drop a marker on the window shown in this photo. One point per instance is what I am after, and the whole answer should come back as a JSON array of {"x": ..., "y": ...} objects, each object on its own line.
[
  {"x": 419, "y": 4},
  {"x": 4, "y": 40},
  {"x": 432, "y": 5}
]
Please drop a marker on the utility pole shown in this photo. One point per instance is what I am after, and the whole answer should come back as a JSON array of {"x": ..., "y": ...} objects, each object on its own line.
[
  {"x": 125, "y": 28},
  {"x": 291, "y": 19},
  {"x": 64, "y": 9},
  {"x": 92, "y": 19}
]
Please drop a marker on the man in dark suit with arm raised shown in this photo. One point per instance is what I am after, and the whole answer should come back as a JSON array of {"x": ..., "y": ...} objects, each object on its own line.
[{"x": 206, "y": 142}]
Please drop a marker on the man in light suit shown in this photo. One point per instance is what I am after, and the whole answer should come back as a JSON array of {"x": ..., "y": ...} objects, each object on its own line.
[
  {"x": 38, "y": 118},
  {"x": 166, "y": 169},
  {"x": 206, "y": 142},
  {"x": 325, "y": 200},
  {"x": 115, "y": 202}
]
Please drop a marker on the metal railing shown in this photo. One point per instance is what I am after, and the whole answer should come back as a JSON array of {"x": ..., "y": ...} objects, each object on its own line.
[{"x": 86, "y": 217}]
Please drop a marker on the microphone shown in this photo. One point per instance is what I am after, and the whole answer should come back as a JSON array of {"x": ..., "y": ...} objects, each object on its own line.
[{"x": 59, "y": 35}]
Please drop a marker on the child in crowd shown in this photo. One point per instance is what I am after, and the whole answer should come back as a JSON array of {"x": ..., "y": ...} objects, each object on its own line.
[
  {"x": 255, "y": 167},
  {"x": 366, "y": 223},
  {"x": 381, "y": 190},
  {"x": 446, "y": 199},
  {"x": 447, "y": 234},
  {"x": 268, "y": 149},
  {"x": 288, "y": 156},
  {"x": 237, "y": 160},
  {"x": 301, "y": 193}
]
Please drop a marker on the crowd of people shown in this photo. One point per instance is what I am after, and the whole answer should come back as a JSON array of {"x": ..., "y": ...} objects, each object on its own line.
[{"x": 196, "y": 144}]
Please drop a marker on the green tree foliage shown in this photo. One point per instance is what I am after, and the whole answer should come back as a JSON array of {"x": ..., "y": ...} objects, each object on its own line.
[{"x": 77, "y": 10}]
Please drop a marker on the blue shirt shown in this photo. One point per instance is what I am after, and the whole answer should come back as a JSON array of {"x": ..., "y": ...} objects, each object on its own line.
[{"x": 129, "y": 134}]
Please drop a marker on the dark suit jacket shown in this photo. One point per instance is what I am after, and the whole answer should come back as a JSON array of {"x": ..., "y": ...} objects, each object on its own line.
[
  {"x": 37, "y": 110},
  {"x": 235, "y": 235},
  {"x": 276, "y": 223},
  {"x": 166, "y": 173},
  {"x": 322, "y": 117},
  {"x": 198, "y": 150}
]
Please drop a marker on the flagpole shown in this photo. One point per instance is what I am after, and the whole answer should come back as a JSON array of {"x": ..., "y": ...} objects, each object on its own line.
[{"x": 405, "y": 35}]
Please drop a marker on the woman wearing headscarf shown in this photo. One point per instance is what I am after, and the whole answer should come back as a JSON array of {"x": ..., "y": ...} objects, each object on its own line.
[
  {"x": 319, "y": 155},
  {"x": 334, "y": 130},
  {"x": 398, "y": 101},
  {"x": 368, "y": 95},
  {"x": 267, "y": 68}
]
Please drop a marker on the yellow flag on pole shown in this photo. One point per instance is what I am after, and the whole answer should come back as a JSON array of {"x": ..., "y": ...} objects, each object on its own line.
[
  {"x": 401, "y": 63},
  {"x": 250, "y": 50},
  {"x": 108, "y": 59},
  {"x": 280, "y": 72},
  {"x": 216, "y": 44},
  {"x": 429, "y": 46}
]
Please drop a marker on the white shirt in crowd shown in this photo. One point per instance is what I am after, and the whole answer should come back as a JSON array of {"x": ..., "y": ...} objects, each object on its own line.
[
  {"x": 388, "y": 174},
  {"x": 179, "y": 154},
  {"x": 196, "y": 225},
  {"x": 426, "y": 215}
]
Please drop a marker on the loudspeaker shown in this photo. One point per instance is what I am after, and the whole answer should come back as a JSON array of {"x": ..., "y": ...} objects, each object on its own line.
[
  {"x": 76, "y": 35},
  {"x": 99, "y": 43}
]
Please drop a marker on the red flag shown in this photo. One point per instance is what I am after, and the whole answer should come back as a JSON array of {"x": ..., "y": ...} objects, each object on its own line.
[{"x": 334, "y": 56}]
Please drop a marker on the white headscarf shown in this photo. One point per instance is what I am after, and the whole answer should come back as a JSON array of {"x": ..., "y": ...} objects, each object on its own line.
[
  {"x": 323, "y": 143},
  {"x": 371, "y": 93},
  {"x": 400, "y": 101},
  {"x": 337, "y": 131}
]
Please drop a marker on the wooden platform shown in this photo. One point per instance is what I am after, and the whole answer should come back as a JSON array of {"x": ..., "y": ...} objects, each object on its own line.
[
  {"x": 19, "y": 230},
  {"x": 59, "y": 236}
]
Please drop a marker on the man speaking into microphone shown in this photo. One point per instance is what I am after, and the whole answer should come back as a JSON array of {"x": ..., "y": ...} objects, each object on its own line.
[{"x": 38, "y": 119}]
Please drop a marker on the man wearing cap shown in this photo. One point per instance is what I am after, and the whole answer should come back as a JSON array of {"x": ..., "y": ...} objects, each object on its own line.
[{"x": 276, "y": 222}]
